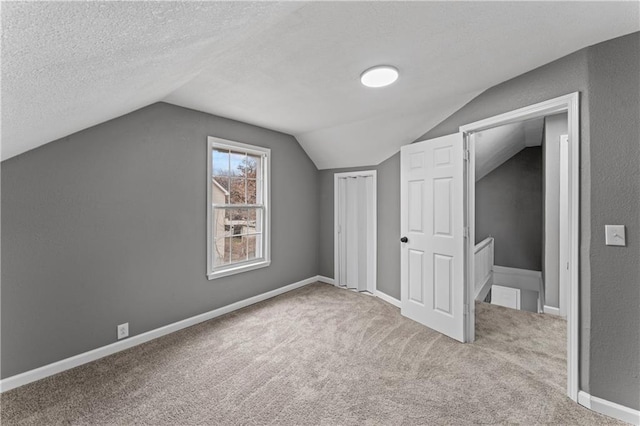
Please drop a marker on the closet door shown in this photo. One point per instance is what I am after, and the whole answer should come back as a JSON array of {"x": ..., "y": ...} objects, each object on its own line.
[
  {"x": 351, "y": 228},
  {"x": 355, "y": 262}
]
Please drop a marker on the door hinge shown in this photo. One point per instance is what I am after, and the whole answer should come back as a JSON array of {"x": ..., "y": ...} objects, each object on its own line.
[
  {"x": 466, "y": 232},
  {"x": 465, "y": 153},
  {"x": 466, "y": 309}
]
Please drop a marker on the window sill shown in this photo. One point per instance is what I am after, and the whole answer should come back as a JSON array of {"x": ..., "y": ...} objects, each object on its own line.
[{"x": 238, "y": 269}]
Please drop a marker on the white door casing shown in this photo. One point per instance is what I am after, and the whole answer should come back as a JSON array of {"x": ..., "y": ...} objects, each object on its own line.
[
  {"x": 564, "y": 228},
  {"x": 432, "y": 219}
]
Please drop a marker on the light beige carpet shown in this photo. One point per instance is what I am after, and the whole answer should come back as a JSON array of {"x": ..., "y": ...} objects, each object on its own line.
[{"x": 319, "y": 355}]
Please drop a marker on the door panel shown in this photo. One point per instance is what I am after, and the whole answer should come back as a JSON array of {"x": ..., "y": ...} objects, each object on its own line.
[
  {"x": 432, "y": 261},
  {"x": 443, "y": 277},
  {"x": 442, "y": 206},
  {"x": 416, "y": 189},
  {"x": 351, "y": 234},
  {"x": 416, "y": 276}
]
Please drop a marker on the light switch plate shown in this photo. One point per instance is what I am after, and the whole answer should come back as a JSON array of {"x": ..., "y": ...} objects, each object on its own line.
[{"x": 614, "y": 235}]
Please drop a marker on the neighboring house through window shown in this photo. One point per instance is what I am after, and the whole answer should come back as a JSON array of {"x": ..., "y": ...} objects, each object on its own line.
[{"x": 238, "y": 207}]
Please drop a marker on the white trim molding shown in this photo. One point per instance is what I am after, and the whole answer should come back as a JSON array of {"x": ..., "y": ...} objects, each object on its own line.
[
  {"x": 391, "y": 300},
  {"x": 95, "y": 354},
  {"x": 326, "y": 280},
  {"x": 551, "y": 310},
  {"x": 609, "y": 408}
]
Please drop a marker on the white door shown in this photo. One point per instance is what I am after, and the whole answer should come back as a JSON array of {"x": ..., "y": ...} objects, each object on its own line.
[{"x": 432, "y": 226}]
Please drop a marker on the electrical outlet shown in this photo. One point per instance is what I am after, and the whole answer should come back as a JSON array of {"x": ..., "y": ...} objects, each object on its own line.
[{"x": 123, "y": 330}]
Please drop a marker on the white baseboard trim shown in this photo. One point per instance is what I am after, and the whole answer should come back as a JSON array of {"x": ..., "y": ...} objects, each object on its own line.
[
  {"x": 609, "y": 408},
  {"x": 326, "y": 280},
  {"x": 392, "y": 300},
  {"x": 92, "y": 355},
  {"x": 551, "y": 310},
  {"x": 384, "y": 296}
]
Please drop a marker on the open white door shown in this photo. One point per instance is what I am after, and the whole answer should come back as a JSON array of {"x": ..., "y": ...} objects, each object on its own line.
[{"x": 432, "y": 226}]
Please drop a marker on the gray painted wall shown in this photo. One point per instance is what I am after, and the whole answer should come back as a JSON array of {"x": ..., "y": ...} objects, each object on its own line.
[
  {"x": 509, "y": 208},
  {"x": 614, "y": 108},
  {"x": 388, "y": 231},
  {"x": 108, "y": 226},
  {"x": 554, "y": 127},
  {"x": 609, "y": 277}
]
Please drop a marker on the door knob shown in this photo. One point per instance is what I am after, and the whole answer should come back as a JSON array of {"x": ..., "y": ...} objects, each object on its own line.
[{"x": 404, "y": 240}]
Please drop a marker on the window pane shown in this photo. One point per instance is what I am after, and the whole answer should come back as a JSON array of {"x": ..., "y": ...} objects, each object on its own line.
[
  {"x": 238, "y": 249},
  {"x": 254, "y": 220},
  {"x": 238, "y": 191},
  {"x": 220, "y": 165},
  {"x": 220, "y": 226},
  {"x": 236, "y": 221},
  {"x": 252, "y": 192},
  {"x": 251, "y": 166},
  {"x": 254, "y": 246},
  {"x": 237, "y": 161},
  {"x": 254, "y": 216},
  {"x": 220, "y": 190},
  {"x": 251, "y": 247},
  {"x": 221, "y": 252}
]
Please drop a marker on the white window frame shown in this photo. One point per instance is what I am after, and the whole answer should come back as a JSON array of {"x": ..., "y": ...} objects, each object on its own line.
[{"x": 265, "y": 260}]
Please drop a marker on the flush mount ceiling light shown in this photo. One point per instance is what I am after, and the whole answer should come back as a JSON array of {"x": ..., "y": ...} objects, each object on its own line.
[{"x": 379, "y": 76}]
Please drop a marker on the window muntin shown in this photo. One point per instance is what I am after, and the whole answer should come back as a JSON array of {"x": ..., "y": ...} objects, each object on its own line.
[{"x": 238, "y": 207}]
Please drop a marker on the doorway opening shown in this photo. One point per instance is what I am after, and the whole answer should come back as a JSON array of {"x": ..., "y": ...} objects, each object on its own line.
[
  {"x": 555, "y": 280},
  {"x": 438, "y": 227},
  {"x": 520, "y": 180}
]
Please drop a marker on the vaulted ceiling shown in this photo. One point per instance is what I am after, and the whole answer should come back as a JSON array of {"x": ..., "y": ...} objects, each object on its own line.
[
  {"x": 496, "y": 145},
  {"x": 287, "y": 66}
]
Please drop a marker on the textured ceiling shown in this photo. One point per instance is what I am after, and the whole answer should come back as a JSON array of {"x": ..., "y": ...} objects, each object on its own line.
[{"x": 289, "y": 66}]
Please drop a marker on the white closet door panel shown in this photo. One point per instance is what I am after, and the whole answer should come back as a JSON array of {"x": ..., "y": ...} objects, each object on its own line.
[
  {"x": 342, "y": 248},
  {"x": 351, "y": 233},
  {"x": 361, "y": 215},
  {"x": 371, "y": 260}
]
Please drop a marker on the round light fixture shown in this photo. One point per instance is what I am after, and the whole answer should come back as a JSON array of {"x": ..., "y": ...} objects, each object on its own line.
[{"x": 379, "y": 76}]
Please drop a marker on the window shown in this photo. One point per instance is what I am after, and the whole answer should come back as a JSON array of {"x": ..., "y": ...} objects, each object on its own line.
[{"x": 237, "y": 208}]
